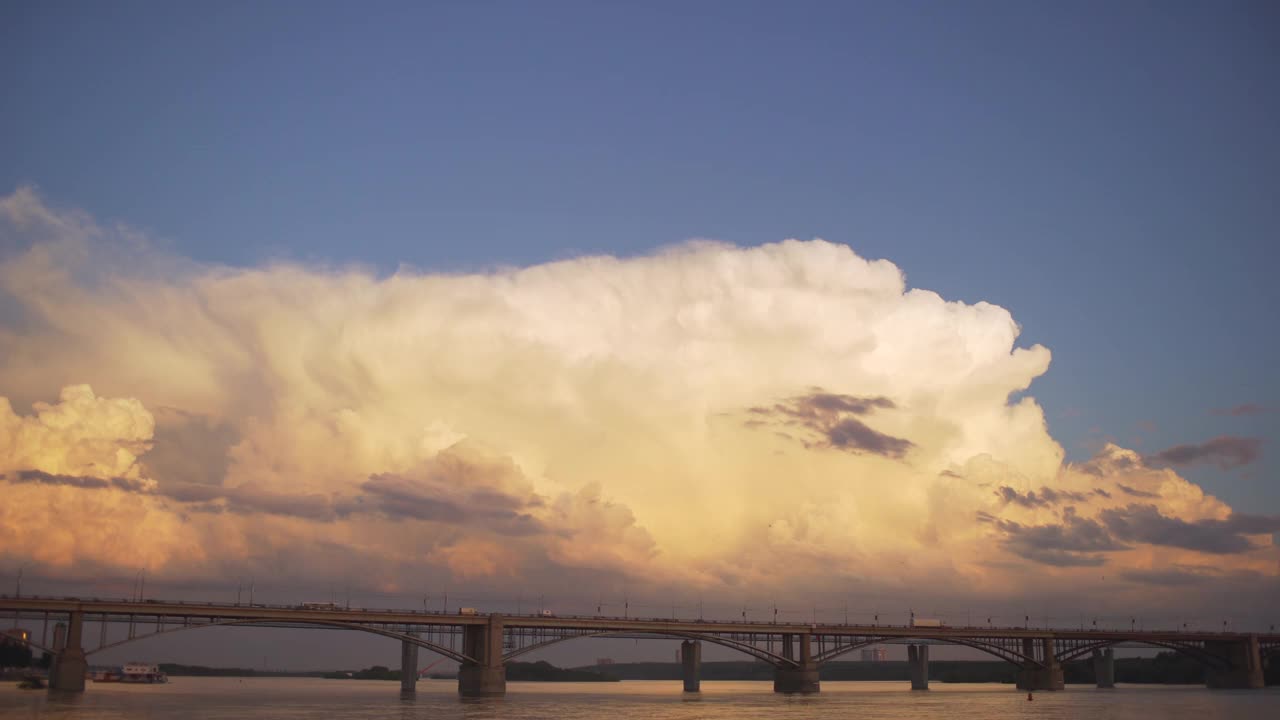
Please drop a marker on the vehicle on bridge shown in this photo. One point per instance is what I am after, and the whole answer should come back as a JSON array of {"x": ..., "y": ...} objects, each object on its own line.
[
  {"x": 926, "y": 623},
  {"x": 320, "y": 606}
]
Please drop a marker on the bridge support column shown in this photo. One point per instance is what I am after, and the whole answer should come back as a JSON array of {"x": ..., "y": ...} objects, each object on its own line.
[
  {"x": 800, "y": 679},
  {"x": 691, "y": 662},
  {"x": 408, "y": 665},
  {"x": 918, "y": 659},
  {"x": 487, "y": 677},
  {"x": 1044, "y": 676},
  {"x": 70, "y": 664},
  {"x": 1245, "y": 670},
  {"x": 1104, "y": 668}
]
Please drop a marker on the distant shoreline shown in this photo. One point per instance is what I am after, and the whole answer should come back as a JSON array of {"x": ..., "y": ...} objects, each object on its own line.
[{"x": 1163, "y": 669}]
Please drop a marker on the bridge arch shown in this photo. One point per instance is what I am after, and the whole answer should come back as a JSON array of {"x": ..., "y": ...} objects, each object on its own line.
[
  {"x": 739, "y": 645},
  {"x": 1199, "y": 654},
  {"x": 991, "y": 648},
  {"x": 336, "y": 625}
]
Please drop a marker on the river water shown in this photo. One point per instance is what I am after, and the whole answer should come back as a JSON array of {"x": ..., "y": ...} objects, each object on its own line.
[{"x": 187, "y": 698}]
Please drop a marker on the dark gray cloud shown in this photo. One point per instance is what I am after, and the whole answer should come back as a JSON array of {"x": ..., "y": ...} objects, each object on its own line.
[
  {"x": 1101, "y": 492},
  {"x": 79, "y": 481},
  {"x": 1145, "y": 524},
  {"x": 1242, "y": 410},
  {"x": 1074, "y": 542},
  {"x": 1225, "y": 451},
  {"x": 1045, "y": 497},
  {"x": 1135, "y": 492},
  {"x": 419, "y": 498},
  {"x": 457, "y": 487},
  {"x": 188, "y": 448},
  {"x": 832, "y": 421},
  {"x": 852, "y": 434}
]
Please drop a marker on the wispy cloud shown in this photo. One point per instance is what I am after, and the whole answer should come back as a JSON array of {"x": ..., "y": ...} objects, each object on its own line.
[{"x": 1225, "y": 451}]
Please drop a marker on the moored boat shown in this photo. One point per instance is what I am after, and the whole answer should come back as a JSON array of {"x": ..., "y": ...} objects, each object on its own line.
[{"x": 132, "y": 673}]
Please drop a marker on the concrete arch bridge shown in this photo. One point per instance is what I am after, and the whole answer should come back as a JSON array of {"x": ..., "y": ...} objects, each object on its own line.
[{"x": 482, "y": 644}]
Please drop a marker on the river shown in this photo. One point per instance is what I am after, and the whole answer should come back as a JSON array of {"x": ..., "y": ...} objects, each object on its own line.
[{"x": 188, "y": 698}]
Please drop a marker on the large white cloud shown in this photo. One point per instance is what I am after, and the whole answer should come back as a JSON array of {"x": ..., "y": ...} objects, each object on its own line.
[{"x": 789, "y": 415}]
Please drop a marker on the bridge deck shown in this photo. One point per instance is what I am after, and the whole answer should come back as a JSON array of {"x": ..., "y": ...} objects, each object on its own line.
[{"x": 129, "y": 611}]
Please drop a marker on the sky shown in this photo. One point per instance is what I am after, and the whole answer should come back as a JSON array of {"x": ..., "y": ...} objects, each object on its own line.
[{"x": 742, "y": 303}]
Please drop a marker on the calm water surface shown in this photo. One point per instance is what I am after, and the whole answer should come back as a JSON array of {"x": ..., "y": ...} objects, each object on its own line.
[{"x": 287, "y": 698}]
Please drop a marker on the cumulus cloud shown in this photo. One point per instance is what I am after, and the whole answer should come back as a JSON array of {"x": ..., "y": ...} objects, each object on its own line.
[
  {"x": 1226, "y": 451},
  {"x": 704, "y": 417}
]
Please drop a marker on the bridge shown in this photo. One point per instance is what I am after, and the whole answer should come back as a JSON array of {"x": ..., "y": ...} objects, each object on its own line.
[{"x": 483, "y": 643}]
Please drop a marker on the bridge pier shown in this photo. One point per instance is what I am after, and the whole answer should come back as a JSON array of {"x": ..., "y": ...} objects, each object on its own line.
[
  {"x": 1046, "y": 676},
  {"x": 69, "y": 665},
  {"x": 691, "y": 664},
  {"x": 918, "y": 660},
  {"x": 408, "y": 665},
  {"x": 1104, "y": 668},
  {"x": 487, "y": 677},
  {"x": 1245, "y": 671},
  {"x": 804, "y": 677}
]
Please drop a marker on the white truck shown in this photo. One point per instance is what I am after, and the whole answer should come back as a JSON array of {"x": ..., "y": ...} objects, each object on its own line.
[
  {"x": 925, "y": 622},
  {"x": 468, "y": 611}
]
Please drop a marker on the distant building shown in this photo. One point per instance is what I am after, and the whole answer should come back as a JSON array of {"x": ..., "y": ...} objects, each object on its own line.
[
  {"x": 604, "y": 661},
  {"x": 877, "y": 653}
]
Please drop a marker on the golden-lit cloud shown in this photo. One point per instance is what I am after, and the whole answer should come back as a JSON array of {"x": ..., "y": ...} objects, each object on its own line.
[{"x": 714, "y": 417}]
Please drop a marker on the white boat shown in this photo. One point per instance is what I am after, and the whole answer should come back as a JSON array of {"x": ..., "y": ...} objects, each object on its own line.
[{"x": 132, "y": 673}]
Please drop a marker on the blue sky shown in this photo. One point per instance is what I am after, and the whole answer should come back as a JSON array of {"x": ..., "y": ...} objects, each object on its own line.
[{"x": 1109, "y": 172}]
